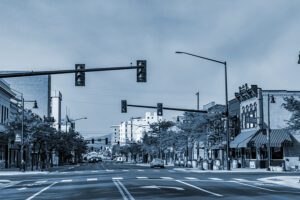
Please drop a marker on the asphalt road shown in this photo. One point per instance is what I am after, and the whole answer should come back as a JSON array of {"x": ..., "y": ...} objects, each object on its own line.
[{"x": 109, "y": 180}]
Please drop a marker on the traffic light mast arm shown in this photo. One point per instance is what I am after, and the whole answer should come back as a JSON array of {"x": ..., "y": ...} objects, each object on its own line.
[
  {"x": 39, "y": 73},
  {"x": 168, "y": 108}
]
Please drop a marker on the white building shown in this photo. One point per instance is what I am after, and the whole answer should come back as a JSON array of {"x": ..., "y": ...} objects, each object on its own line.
[
  {"x": 115, "y": 137},
  {"x": 56, "y": 109},
  {"x": 134, "y": 129}
]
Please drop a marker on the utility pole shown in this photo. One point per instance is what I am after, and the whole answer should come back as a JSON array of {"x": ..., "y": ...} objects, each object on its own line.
[{"x": 197, "y": 94}]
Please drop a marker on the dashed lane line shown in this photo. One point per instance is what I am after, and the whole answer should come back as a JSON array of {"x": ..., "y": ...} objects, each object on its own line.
[
  {"x": 191, "y": 178},
  {"x": 66, "y": 181},
  {"x": 125, "y": 170},
  {"x": 216, "y": 179},
  {"x": 91, "y": 179},
  {"x": 198, "y": 188},
  {"x": 39, "y": 192},
  {"x": 140, "y": 170},
  {"x": 168, "y": 178},
  {"x": 23, "y": 188},
  {"x": 142, "y": 177},
  {"x": 117, "y": 178},
  {"x": 40, "y": 182}
]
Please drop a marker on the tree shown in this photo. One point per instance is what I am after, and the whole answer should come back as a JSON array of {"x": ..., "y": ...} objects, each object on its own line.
[{"x": 293, "y": 105}]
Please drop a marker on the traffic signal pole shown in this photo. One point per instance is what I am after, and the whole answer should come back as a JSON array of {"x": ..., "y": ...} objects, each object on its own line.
[
  {"x": 168, "y": 108},
  {"x": 39, "y": 73}
]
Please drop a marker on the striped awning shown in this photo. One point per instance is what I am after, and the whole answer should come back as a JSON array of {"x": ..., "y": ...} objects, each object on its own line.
[
  {"x": 242, "y": 139},
  {"x": 278, "y": 138}
]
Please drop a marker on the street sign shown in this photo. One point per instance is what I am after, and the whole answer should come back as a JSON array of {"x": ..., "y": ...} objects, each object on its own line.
[{"x": 18, "y": 138}]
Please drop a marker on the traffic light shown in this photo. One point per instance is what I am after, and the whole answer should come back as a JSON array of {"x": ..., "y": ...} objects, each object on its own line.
[
  {"x": 141, "y": 72},
  {"x": 159, "y": 109},
  {"x": 79, "y": 75},
  {"x": 124, "y": 106},
  {"x": 106, "y": 141}
]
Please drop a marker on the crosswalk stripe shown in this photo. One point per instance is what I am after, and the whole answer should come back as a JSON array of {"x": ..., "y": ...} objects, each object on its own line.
[
  {"x": 95, "y": 171},
  {"x": 216, "y": 179},
  {"x": 91, "y": 179},
  {"x": 110, "y": 170},
  {"x": 23, "y": 188},
  {"x": 141, "y": 170},
  {"x": 141, "y": 177},
  {"x": 125, "y": 170}
]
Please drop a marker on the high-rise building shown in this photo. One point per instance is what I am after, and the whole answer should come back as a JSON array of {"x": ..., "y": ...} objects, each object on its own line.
[{"x": 56, "y": 109}]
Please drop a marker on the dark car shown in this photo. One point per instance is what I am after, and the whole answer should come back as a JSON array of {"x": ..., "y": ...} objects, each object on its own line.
[
  {"x": 156, "y": 162},
  {"x": 95, "y": 160}
]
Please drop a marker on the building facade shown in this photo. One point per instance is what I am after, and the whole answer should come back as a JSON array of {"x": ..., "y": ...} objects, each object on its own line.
[
  {"x": 261, "y": 111},
  {"x": 134, "y": 129}
]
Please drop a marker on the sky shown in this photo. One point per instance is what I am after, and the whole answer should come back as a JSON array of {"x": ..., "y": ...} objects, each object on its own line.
[{"x": 259, "y": 40}]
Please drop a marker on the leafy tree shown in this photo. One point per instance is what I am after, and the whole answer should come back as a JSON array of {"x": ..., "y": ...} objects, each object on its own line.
[{"x": 293, "y": 105}]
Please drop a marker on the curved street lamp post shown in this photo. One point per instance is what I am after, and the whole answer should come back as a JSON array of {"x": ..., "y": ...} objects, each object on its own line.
[{"x": 226, "y": 99}]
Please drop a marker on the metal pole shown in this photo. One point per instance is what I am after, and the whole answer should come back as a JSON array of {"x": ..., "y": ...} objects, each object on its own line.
[
  {"x": 227, "y": 120},
  {"x": 22, "y": 129},
  {"x": 197, "y": 101},
  {"x": 268, "y": 135}
]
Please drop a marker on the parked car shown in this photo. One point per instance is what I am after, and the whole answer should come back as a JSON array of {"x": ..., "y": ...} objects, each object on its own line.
[
  {"x": 95, "y": 159},
  {"x": 156, "y": 162}
]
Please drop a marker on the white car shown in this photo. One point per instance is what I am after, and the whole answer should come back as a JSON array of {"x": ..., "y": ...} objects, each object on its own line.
[{"x": 156, "y": 162}]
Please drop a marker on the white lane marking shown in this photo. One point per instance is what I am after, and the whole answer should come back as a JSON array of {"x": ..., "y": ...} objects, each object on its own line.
[
  {"x": 66, "y": 181},
  {"x": 253, "y": 186},
  {"x": 39, "y": 192},
  {"x": 169, "y": 178},
  {"x": 110, "y": 170},
  {"x": 125, "y": 170},
  {"x": 117, "y": 178},
  {"x": 142, "y": 177},
  {"x": 191, "y": 178},
  {"x": 95, "y": 171},
  {"x": 216, "y": 179},
  {"x": 120, "y": 190},
  {"x": 140, "y": 170},
  {"x": 171, "y": 171},
  {"x": 161, "y": 187},
  {"x": 130, "y": 197},
  {"x": 23, "y": 188},
  {"x": 240, "y": 179},
  {"x": 40, "y": 182},
  {"x": 198, "y": 188},
  {"x": 91, "y": 179}
]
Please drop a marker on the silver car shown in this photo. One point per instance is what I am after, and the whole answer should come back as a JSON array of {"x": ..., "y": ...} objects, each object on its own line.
[{"x": 156, "y": 162}]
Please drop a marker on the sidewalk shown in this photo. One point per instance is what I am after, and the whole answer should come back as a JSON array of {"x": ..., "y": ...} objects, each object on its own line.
[
  {"x": 237, "y": 170},
  {"x": 148, "y": 165},
  {"x": 17, "y": 172},
  {"x": 290, "y": 181}
]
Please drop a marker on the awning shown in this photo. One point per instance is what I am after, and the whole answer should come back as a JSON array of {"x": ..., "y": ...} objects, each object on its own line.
[
  {"x": 242, "y": 139},
  {"x": 278, "y": 138}
]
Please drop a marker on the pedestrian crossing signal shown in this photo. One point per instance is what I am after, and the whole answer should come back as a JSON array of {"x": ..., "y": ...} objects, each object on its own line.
[
  {"x": 124, "y": 106},
  {"x": 79, "y": 75},
  {"x": 141, "y": 72},
  {"x": 159, "y": 109}
]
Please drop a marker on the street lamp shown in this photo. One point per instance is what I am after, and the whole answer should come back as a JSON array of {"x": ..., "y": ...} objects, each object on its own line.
[
  {"x": 226, "y": 99},
  {"x": 299, "y": 58},
  {"x": 271, "y": 99},
  {"x": 197, "y": 94},
  {"x": 72, "y": 120},
  {"x": 35, "y": 106}
]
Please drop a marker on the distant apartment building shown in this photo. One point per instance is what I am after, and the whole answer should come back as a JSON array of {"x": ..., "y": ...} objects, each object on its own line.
[
  {"x": 56, "y": 109},
  {"x": 115, "y": 137},
  {"x": 134, "y": 129}
]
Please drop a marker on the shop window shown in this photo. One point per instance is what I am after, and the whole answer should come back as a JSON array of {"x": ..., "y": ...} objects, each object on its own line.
[{"x": 277, "y": 153}]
